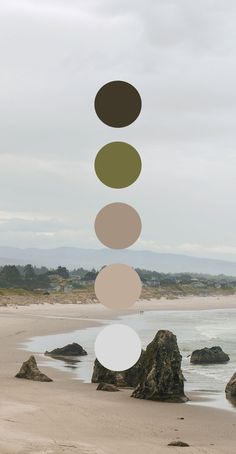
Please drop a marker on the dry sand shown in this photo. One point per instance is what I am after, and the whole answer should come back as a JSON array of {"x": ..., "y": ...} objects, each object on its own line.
[{"x": 68, "y": 416}]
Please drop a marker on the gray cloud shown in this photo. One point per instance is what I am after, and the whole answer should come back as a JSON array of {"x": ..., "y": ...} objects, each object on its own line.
[{"x": 181, "y": 57}]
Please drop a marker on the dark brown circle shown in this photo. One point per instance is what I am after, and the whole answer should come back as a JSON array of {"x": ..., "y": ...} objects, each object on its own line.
[{"x": 118, "y": 104}]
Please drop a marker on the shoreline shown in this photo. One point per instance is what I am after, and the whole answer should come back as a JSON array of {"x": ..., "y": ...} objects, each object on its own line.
[
  {"x": 180, "y": 303},
  {"x": 82, "y": 371},
  {"x": 27, "y": 407},
  {"x": 211, "y": 300}
]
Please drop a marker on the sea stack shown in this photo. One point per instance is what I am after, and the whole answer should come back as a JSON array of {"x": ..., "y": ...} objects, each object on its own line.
[
  {"x": 30, "y": 371},
  {"x": 162, "y": 378}
]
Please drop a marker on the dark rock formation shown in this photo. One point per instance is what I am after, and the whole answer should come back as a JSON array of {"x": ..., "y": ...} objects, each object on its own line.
[
  {"x": 135, "y": 373},
  {"x": 213, "y": 355},
  {"x": 182, "y": 444},
  {"x": 101, "y": 374},
  {"x": 161, "y": 377},
  {"x": 69, "y": 350},
  {"x": 30, "y": 371},
  {"x": 107, "y": 387},
  {"x": 231, "y": 388},
  {"x": 125, "y": 379}
]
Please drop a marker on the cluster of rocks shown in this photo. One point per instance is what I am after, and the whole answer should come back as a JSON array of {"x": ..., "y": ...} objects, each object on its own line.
[
  {"x": 30, "y": 371},
  {"x": 157, "y": 375}
]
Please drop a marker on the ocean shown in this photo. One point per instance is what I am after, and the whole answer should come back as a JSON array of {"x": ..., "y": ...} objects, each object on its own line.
[{"x": 194, "y": 330}]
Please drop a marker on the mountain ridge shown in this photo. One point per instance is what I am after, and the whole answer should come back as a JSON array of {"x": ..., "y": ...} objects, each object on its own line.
[{"x": 73, "y": 257}]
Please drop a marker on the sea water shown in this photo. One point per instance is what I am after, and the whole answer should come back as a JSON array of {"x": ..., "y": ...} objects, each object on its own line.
[{"x": 194, "y": 330}]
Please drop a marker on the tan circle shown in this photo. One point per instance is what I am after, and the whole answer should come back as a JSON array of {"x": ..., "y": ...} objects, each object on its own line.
[
  {"x": 118, "y": 225},
  {"x": 118, "y": 286}
]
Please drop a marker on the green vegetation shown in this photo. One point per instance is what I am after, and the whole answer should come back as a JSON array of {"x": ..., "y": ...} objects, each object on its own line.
[{"x": 26, "y": 280}]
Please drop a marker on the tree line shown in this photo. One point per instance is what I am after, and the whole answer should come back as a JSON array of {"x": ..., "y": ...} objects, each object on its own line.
[{"x": 31, "y": 277}]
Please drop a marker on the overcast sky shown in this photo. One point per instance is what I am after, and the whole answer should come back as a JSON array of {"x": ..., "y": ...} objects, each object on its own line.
[{"x": 181, "y": 56}]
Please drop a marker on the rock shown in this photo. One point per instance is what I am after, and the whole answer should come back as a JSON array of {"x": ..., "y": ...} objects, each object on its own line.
[
  {"x": 107, "y": 387},
  {"x": 69, "y": 350},
  {"x": 103, "y": 375},
  {"x": 231, "y": 387},
  {"x": 135, "y": 373},
  {"x": 182, "y": 444},
  {"x": 161, "y": 377},
  {"x": 213, "y": 355},
  {"x": 30, "y": 371},
  {"x": 125, "y": 379}
]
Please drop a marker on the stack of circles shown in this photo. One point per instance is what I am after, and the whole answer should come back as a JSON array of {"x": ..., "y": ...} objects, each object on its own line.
[{"x": 118, "y": 225}]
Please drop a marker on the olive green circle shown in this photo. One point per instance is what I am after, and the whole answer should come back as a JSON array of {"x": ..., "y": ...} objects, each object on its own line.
[{"x": 118, "y": 165}]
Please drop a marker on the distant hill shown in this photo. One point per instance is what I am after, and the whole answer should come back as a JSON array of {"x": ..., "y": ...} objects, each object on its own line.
[{"x": 95, "y": 258}]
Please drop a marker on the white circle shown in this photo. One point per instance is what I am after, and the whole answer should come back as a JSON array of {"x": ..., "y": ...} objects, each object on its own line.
[{"x": 118, "y": 347}]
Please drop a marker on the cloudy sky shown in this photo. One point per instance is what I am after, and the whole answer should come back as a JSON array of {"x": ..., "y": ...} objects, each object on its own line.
[{"x": 181, "y": 56}]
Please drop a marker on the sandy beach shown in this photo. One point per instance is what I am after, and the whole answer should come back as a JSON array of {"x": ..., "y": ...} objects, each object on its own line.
[{"x": 68, "y": 416}]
